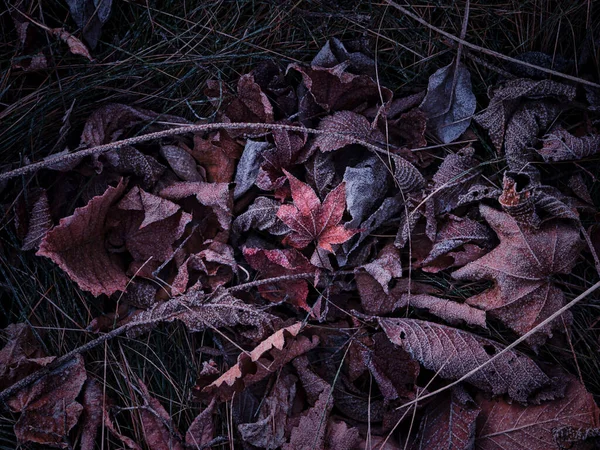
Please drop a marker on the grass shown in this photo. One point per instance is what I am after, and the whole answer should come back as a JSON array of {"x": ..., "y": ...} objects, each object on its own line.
[{"x": 158, "y": 55}]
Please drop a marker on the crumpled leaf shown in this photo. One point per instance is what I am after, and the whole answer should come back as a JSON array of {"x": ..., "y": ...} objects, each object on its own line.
[
  {"x": 452, "y": 312},
  {"x": 40, "y": 222},
  {"x": 261, "y": 215},
  {"x": 216, "y": 196},
  {"x": 77, "y": 245},
  {"x": 220, "y": 311},
  {"x": 217, "y": 154},
  {"x": 560, "y": 145},
  {"x": 349, "y": 128},
  {"x": 320, "y": 171},
  {"x": 386, "y": 266},
  {"x": 452, "y": 353},
  {"x": 455, "y": 176},
  {"x": 248, "y": 166},
  {"x": 448, "y": 423},
  {"x": 518, "y": 110},
  {"x": 310, "y": 431},
  {"x": 342, "y": 437},
  {"x": 75, "y": 45},
  {"x": 310, "y": 220},
  {"x": 502, "y": 425},
  {"x": 251, "y": 104},
  {"x": 202, "y": 429},
  {"x": 366, "y": 184},
  {"x": 521, "y": 267},
  {"x": 266, "y": 358},
  {"x": 335, "y": 52},
  {"x": 270, "y": 428},
  {"x": 407, "y": 177},
  {"x": 182, "y": 163},
  {"x": 157, "y": 426},
  {"x": 48, "y": 407},
  {"x": 90, "y": 15},
  {"x": 450, "y": 102},
  {"x": 130, "y": 161},
  {"x": 91, "y": 418},
  {"x": 274, "y": 263}
]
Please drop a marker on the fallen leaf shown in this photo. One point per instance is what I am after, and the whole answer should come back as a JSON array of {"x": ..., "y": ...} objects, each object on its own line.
[
  {"x": 218, "y": 154},
  {"x": 560, "y": 145},
  {"x": 345, "y": 128},
  {"x": 251, "y": 103},
  {"x": 335, "y": 52},
  {"x": 452, "y": 353},
  {"x": 40, "y": 222},
  {"x": 77, "y": 245},
  {"x": 182, "y": 163},
  {"x": 449, "y": 423},
  {"x": 340, "y": 436},
  {"x": 450, "y": 102},
  {"x": 202, "y": 429},
  {"x": 521, "y": 266},
  {"x": 366, "y": 185},
  {"x": 91, "y": 418},
  {"x": 248, "y": 166},
  {"x": 75, "y": 45},
  {"x": 452, "y": 312},
  {"x": 385, "y": 266},
  {"x": 261, "y": 215},
  {"x": 90, "y": 15},
  {"x": 503, "y": 425},
  {"x": 310, "y": 220}
]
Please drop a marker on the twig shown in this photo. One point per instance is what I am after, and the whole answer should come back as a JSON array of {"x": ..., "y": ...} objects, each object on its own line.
[
  {"x": 509, "y": 347},
  {"x": 77, "y": 155},
  {"x": 487, "y": 51},
  {"x": 35, "y": 376}
]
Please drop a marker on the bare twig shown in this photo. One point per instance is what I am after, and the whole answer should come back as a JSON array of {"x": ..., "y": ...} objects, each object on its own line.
[{"x": 487, "y": 51}]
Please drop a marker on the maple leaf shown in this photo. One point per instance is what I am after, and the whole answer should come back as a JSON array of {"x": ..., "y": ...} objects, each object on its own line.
[
  {"x": 521, "y": 267},
  {"x": 310, "y": 220}
]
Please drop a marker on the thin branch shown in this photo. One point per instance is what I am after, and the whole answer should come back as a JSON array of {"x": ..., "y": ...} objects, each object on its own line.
[
  {"x": 487, "y": 51},
  {"x": 78, "y": 155}
]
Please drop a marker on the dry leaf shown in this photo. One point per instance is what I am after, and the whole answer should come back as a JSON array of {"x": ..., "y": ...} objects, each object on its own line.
[
  {"x": 90, "y": 15},
  {"x": 40, "y": 222},
  {"x": 452, "y": 353},
  {"x": 349, "y": 128},
  {"x": 560, "y": 145},
  {"x": 202, "y": 429},
  {"x": 521, "y": 266},
  {"x": 452, "y": 312}
]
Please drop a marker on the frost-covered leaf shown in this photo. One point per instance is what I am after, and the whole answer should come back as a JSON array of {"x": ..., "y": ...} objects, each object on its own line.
[
  {"x": 310, "y": 220},
  {"x": 448, "y": 424},
  {"x": 510, "y": 426},
  {"x": 261, "y": 215},
  {"x": 366, "y": 185},
  {"x": 450, "y": 102},
  {"x": 247, "y": 168},
  {"x": 521, "y": 267},
  {"x": 202, "y": 429},
  {"x": 452, "y": 312},
  {"x": 346, "y": 127},
  {"x": 452, "y": 353},
  {"x": 560, "y": 145},
  {"x": 251, "y": 104},
  {"x": 217, "y": 153},
  {"x": 40, "y": 222},
  {"x": 77, "y": 245},
  {"x": 90, "y": 15},
  {"x": 182, "y": 163},
  {"x": 385, "y": 266}
]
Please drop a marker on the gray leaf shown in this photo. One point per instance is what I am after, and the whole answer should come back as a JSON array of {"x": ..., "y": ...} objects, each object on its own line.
[
  {"x": 365, "y": 186},
  {"x": 261, "y": 215},
  {"x": 450, "y": 102},
  {"x": 182, "y": 163},
  {"x": 247, "y": 168}
]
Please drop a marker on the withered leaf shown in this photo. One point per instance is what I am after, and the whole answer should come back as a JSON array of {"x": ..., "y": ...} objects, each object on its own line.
[
  {"x": 342, "y": 437},
  {"x": 76, "y": 244},
  {"x": 247, "y": 168},
  {"x": 448, "y": 424},
  {"x": 310, "y": 220},
  {"x": 90, "y": 15},
  {"x": 452, "y": 312},
  {"x": 452, "y": 353},
  {"x": 560, "y": 145},
  {"x": 386, "y": 266},
  {"x": 502, "y": 425},
  {"x": 251, "y": 104},
  {"x": 182, "y": 163},
  {"x": 261, "y": 215},
  {"x": 40, "y": 222},
  {"x": 202, "y": 429},
  {"x": 75, "y": 45},
  {"x": 335, "y": 52},
  {"x": 130, "y": 161},
  {"x": 521, "y": 266},
  {"x": 450, "y": 102},
  {"x": 157, "y": 426},
  {"x": 346, "y": 127},
  {"x": 274, "y": 263},
  {"x": 366, "y": 184},
  {"x": 217, "y": 154},
  {"x": 268, "y": 357},
  {"x": 154, "y": 208},
  {"x": 91, "y": 420}
]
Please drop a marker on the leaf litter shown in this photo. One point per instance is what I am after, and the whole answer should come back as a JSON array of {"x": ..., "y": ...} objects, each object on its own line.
[{"x": 317, "y": 261}]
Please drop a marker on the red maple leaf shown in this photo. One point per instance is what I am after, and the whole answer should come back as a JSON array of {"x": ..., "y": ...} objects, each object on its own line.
[{"x": 310, "y": 220}]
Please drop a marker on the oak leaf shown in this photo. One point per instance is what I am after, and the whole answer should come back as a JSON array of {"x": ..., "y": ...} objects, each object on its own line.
[
  {"x": 310, "y": 220},
  {"x": 521, "y": 266}
]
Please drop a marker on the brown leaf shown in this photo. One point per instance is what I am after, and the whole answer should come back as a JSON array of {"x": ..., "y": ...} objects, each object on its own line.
[
  {"x": 521, "y": 266},
  {"x": 452, "y": 312},
  {"x": 182, "y": 163},
  {"x": 75, "y": 45},
  {"x": 452, "y": 353},
  {"x": 48, "y": 407},
  {"x": 40, "y": 222},
  {"x": 560, "y": 145},
  {"x": 251, "y": 104},
  {"x": 310, "y": 220},
  {"x": 342, "y": 437},
  {"x": 157, "y": 426},
  {"x": 76, "y": 244},
  {"x": 448, "y": 424},
  {"x": 274, "y": 263},
  {"x": 502, "y": 425},
  {"x": 266, "y": 358},
  {"x": 269, "y": 431},
  {"x": 386, "y": 266},
  {"x": 354, "y": 127},
  {"x": 217, "y": 154},
  {"x": 91, "y": 419},
  {"x": 202, "y": 429}
]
